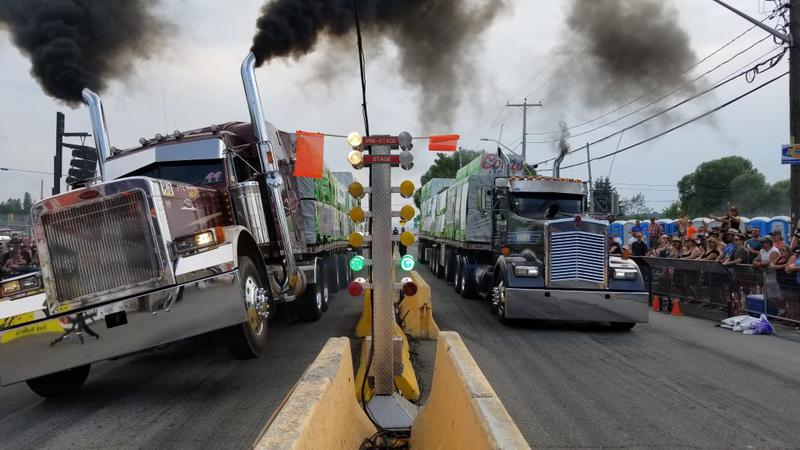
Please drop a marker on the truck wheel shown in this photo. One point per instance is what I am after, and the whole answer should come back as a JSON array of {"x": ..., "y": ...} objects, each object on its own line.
[
  {"x": 459, "y": 274},
  {"x": 421, "y": 253},
  {"x": 450, "y": 266},
  {"x": 500, "y": 292},
  {"x": 344, "y": 271},
  {"x": 332, "y": 268},
  {"x": 469, "y": 288},
  {"x": 313, "y": 302},
  {"x": 622, "y": 326},
  {"x": 248, "y": 339},
  {"x": 60, "y": 383}
]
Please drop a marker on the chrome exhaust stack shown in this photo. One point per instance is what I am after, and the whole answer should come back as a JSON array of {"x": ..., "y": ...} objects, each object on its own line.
[
  {"x": 99, "y": 129},
  {"x": 274, "y": 179},
  {"x": 557, "y": 164}
]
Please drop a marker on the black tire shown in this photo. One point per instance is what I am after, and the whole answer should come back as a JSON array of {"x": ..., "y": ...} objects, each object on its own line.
[
  {"x": 459, "y": 273},
  {"x": 439, "y": 265},
  {"x": 61, "y": 383},
  {"x": 622, "y": 326},
  {"x": 469, "y": 287},
  {"x": 344, "y": 271},
  {"x": 449, "y": 266},
  {"x": 332, "y": 269},
  {"x": 500, "y": 309},
  {"x": 312, "y": 303},
  {"x": 248, "y": 339},
  {"x": 421, "y": 253}
]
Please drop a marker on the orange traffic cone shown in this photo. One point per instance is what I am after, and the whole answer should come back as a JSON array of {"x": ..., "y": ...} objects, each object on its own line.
[
  {"x": 656, "y": 303},
  {"x": 676, "y": 307}
]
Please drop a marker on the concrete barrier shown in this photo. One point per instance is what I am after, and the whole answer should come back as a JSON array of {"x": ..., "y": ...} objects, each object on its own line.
[
  {"x": 406, "y": 383},
  {"x": 321, "y": 411},
  {"x": 463, "y": 410},
  {"x": 416, "y": 311}
]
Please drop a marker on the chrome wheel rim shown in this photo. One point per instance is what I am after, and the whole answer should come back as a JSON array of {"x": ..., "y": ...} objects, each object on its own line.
[{"x": 251, "y": 289}]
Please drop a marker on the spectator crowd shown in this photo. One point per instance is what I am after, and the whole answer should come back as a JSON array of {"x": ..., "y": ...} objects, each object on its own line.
[
  {"x": 777, "y": 257},
  {"x": 18, "y": 256}
]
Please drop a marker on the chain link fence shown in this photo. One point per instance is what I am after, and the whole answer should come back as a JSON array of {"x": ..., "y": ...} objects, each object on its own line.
[{"x": 733, "y": 290}]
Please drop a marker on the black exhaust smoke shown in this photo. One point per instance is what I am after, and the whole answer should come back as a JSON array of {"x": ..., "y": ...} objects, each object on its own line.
[
  {"x": 631, "y": 46},
  {"x": 436, "y": 39},
  {"x": 75, "y": 44}
]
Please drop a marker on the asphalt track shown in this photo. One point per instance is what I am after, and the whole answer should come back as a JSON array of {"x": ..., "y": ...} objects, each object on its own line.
[
  {"x": 673, "y": 383},
  {"x": 190, "y": 395},
  {"x": 676, "y": 382}
]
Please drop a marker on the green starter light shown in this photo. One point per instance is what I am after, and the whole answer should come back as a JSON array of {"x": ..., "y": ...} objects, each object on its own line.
[
  {"x": 407, "y": 263},
  {"x": 357, "y": 263}
]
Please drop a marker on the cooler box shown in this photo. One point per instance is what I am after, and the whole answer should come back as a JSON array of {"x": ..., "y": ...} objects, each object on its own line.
[{"x": 755, "y": 302}]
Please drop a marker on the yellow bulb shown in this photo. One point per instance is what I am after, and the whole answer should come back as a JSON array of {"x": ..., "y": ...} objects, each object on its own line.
[
  {"x": 355, "y": 157},
  {"x": 407, "y": 212},
  {"x": 407, "y": 189},
  {"x": 354, "y": 139},
  {"x": 407, "y": 238},
  {"x": 356, "y": 239},
  {"x": 357, "y": 214},
  {"x": 356, "y": 189}
]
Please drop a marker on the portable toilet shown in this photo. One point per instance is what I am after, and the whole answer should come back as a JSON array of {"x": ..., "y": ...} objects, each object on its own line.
[
  {"x": 617, "y": 228},
  {"x": 745, "y": 224},
  {"x": 761, "y": 224},
  {"x": 626, "y": 231},
  {"x": 780, "y": 223},
  {"x": 669, "y": 226}
]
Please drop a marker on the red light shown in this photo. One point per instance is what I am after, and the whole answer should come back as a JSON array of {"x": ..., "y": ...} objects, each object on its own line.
[
  {"x": 87, "y": 195},
  {"x": 410, "y": 289},
  {"x": 355, "y": 288}
]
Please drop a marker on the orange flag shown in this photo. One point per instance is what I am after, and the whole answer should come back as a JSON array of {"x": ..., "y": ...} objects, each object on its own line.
[
  {"x": 443, "y": 143},
  {"x": 309, "y": 154}
]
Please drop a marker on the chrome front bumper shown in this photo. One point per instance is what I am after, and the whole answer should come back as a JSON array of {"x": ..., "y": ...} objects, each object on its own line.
[
  {"x": 571, "y": 305},
  {"x": 118, "y": 328}
]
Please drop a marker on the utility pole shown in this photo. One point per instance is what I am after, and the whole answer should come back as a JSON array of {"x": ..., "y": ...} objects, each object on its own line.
[
  {"x": 794, "y": 89},
  {"x": 524, "y": 105},
  {"x": 794, "y": 104},
  {"x": 591, "y": 192}
]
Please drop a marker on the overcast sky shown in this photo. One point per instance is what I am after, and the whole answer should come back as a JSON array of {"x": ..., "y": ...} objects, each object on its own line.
[{"x": 196, "y": 77}]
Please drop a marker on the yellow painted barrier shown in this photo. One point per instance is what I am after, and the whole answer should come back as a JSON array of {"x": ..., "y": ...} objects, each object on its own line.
[
  {"x": 416, "y": 311},
  {"x": 320, "y": 412},
  {"x": 463, "y": 410},
  {"x": 364, "y": 325},
  {"x": 406, "y": 383}
]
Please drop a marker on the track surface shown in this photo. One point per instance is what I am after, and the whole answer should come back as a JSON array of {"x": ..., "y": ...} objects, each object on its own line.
[
  {"x": 189, "y": 395},
  {"x": 673, "y": 383}
]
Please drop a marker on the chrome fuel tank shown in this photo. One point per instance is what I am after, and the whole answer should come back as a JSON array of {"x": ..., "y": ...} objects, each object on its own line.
[{"x": 249, "y": 209}]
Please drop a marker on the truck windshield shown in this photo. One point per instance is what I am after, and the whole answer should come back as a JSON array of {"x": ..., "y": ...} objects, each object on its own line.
[
  {"x": 191, "y": 172},
  {"x": 545, "y": 206}
]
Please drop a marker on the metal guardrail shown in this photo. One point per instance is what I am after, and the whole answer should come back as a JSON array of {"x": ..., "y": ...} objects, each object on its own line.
[{"x": 738, "y": 289}]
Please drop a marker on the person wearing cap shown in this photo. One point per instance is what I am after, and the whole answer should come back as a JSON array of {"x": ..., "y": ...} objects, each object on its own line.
[
  {"x": 677, "y": 248},
  {"x": 730, "y": 220},
  {"x": 712, "y": 250},
  {"x": 655, "y": 230},
  {"x": 730, "y": 246},
  {"x": 777, "y": 239},
  {"x": 768, "y": 254},
  {"x": 690, "y": 249},
  {"x": 753, "y": 245}
]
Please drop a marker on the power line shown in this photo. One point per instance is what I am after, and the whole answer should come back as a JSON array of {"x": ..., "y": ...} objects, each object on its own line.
[
  {"x": 647, "y": 93},
  {"x": 670, "y": 93},
  {"x": 11, "y": 169},
  {"x": 773, "y": 61},
  {"x": 681, "y": 125}
]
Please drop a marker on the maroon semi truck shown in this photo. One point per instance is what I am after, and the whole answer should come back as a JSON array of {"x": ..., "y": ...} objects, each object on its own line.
[{"x": 182, "y": 235}]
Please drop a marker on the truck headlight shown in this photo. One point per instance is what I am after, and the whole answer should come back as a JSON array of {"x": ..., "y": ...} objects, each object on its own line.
[
  {"x": 625, "y": 274},
  {"x": 526, "y": 271},
  {"x": 199, "y": 241},
  {"x": 19, "y": 286}
]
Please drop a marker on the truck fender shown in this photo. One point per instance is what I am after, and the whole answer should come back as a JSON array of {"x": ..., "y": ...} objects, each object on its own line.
[{"x": 243, "y": 244}]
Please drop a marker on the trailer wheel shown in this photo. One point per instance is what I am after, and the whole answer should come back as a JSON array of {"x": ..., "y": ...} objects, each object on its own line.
[
  {"x": 60, "y": 383},
  {"x": 313, "y": 301},
  {"x": 469, "y": 288},
  {"x": 248, "y": 339},
  {"x": 450, "y": 266},
  {"x": 344, "y": 271},
  {"x": 332, "y": 269},
  {"x": 459, "y": 274}
]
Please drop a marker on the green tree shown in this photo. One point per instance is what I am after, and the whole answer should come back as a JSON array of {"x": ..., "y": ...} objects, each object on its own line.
[
  {"x": 708, "y": 188},
  {"x": 27, "y": 202},
  {"x": 605, "y": 195},
  {"x": 635, "y": 207},
  {"x": 445, "y": 166},
  {"x": 749, "y": 192},
  {"x": 672, "y": 211}
]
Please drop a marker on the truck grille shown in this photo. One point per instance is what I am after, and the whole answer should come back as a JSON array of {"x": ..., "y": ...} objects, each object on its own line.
[
  {"x": 577, "y": 256},
  {"x": 101, "y": 247}
]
